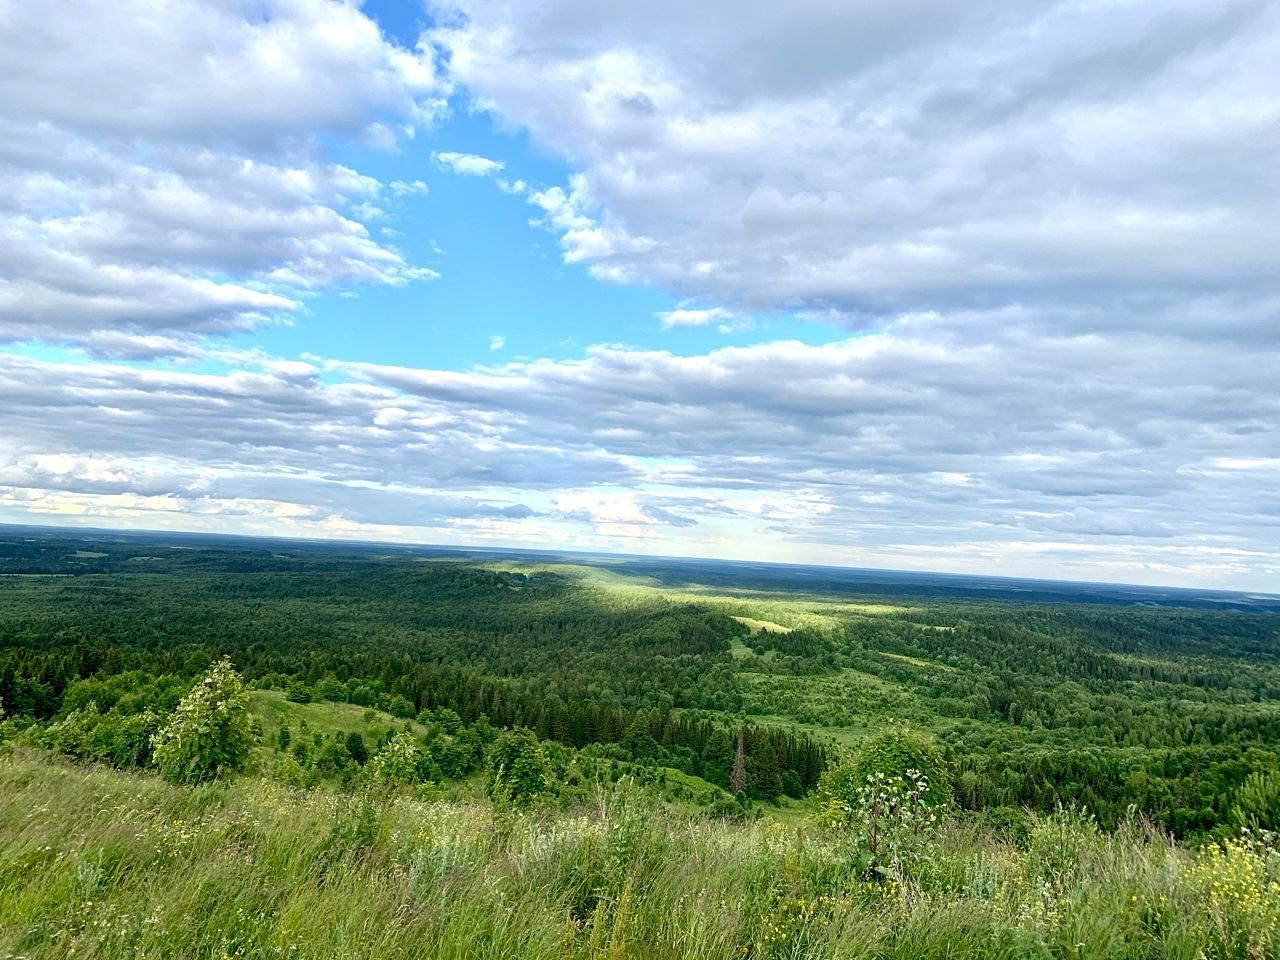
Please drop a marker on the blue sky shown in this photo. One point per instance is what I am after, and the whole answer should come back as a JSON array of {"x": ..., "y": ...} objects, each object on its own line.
[
  {"x": 500, "y": 276},
  {"x": 983, "y": 289}
]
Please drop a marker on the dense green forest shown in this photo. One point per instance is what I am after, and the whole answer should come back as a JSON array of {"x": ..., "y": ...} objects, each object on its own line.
[
  {"x": 528, "y": 687},
  {"x": 1169, "y": 710}
]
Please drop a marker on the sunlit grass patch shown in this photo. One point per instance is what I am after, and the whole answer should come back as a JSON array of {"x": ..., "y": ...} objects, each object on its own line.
[
  {"x": 914, "y": 661},
  {"x": 323, "y": 717},
  {"x": 767, "y": 626}
]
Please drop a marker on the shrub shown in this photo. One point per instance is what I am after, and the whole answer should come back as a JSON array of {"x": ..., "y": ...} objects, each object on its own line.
[
  {"x": 519, "y": 768},
  {"x": 399, "y": 761},
  {"x": 211, "y": 731},
  {"x": 121, "y": 740},
  {"x": 333, "y": 760},
  {"x": 728, "y": 807},
  {"x": 888, "y": 818},
  {"x": 886, "y": 804},
  {"x": 895, "y": 751},
  {"x": 456, "y": 756},
  {"x": 355, "y": 746}
]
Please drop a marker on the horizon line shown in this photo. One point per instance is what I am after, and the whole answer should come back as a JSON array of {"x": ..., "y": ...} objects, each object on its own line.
[{"x": 476, "y": 548}]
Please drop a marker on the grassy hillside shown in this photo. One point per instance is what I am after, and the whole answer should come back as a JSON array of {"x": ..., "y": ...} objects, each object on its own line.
[{"x": 99, "y": 863}]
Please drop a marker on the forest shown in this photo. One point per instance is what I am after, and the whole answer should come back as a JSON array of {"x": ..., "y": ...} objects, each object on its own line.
[{"x": 877, "y": 724}]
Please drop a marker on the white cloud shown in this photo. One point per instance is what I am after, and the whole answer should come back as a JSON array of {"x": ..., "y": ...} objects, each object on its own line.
[
  {"x": 249, "y": 74},
  {"x": 1247, "y": 463},
  {"x": 406, "y": 188},
  {"x": 468, "y": 164},
  {"x": 686, "y": 317},
  {"x": 497, "y": 341},
  {"x": 159, "y": 163},
  {"x": 582, "y": 237},
  {"x": 863, "y": 159}
]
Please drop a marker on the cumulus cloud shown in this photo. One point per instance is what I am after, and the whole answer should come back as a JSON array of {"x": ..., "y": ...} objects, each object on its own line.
[
  {"x": 863, "y": 159},
  {"x": 252, "y": 74},
  {"x": 159, "y": 171}
]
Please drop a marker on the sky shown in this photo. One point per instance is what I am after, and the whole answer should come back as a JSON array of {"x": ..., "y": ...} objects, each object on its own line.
[{"x": 982, "y": 288}]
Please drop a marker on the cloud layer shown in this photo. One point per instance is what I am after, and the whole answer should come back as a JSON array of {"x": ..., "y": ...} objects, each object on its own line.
[{"x": 898, "y": 448}]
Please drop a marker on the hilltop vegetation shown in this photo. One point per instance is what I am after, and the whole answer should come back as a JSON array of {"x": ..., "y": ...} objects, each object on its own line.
[{"x": 566, "y": 757}]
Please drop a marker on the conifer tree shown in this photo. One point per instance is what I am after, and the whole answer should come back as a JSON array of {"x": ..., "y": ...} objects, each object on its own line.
[{"x": 738, "y": 777}]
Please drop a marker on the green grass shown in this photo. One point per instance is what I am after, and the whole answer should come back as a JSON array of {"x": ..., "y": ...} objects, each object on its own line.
[
  {"x": 916, "y": 661},
  {"x": 768, "y": 626},
  {"x": 778, "y": 611},
  {"x": 97, "y": 863},
  {"x": 273, "y": 711}
]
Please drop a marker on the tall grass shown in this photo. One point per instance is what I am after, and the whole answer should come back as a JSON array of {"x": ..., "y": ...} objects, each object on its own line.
[{"x": 97, "y": 863}]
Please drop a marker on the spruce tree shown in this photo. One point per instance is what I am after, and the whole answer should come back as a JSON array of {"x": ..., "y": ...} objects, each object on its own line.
[{"x": 738, "y": 777}]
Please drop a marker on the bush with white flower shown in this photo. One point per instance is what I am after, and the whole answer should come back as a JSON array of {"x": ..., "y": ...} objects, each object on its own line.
[{"x": 211, "y": 731}]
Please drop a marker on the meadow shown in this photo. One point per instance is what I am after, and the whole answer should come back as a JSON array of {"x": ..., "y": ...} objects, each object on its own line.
[{"x": 99, "y": 863}]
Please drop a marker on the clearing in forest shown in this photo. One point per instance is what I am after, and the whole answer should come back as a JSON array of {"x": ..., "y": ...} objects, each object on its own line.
[{"x": 768, "y": 626}]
